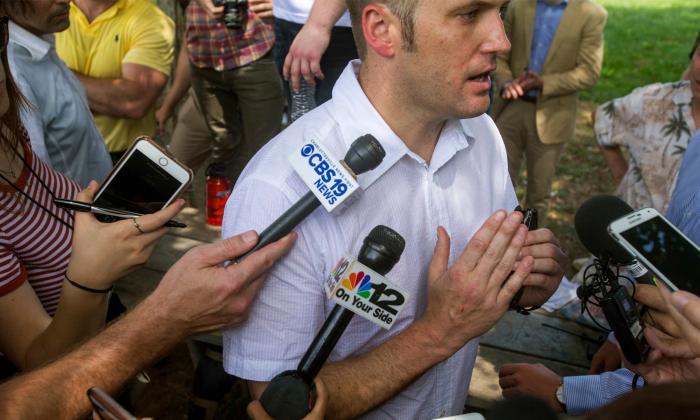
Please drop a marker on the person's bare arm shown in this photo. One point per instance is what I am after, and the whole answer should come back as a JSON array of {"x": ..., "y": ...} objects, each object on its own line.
[
  {"x": 616, "y": 162},
  {"x": 197, "y": 294},
  {"x": 464, "y": 301},
  {"x": 101, "y": 254},
  {"x": 181, "y": 83},
  {"x": 304, "y": 57},
  {"x": 130, "y": 96}
]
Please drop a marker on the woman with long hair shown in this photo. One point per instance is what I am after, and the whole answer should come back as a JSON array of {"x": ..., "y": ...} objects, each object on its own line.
[{"x": 56, "y": 268}]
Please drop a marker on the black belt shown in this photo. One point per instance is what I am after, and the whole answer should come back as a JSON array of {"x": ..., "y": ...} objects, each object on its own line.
[{"x": 531, "y": 99}]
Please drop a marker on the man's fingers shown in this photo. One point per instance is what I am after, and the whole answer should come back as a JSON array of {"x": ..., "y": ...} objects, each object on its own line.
[
  {"x": 441, "y": 255},
  {"x": 650, "y": 296},
  {"x": 319, "y": 409},
  {"x": 511, "y": 392},
  {"x": 663, "y": 321},
  {"x": 151, "y": 222},
  {"x": 227, "y": 249},
  {"x": 287, "y": 67},
  {"x": 688, "y": 305},
  {"x": 481, "y": 240},
  {"x": 666, "y": 344},
  {"x": 541, "y": 236},
  {"x": 508, "y": 381},
  {"x": 515, "y": 282},
  {"x": 509, "y": 369},
  {"x": 294, "y": 74},
  {"x": 493, "y": 265},
  {"x": 306, "y": 72},
  {"x": 257, "y": 263},
  {"x": 315, "y": 65},
  {"x": 257, "y": 412}
]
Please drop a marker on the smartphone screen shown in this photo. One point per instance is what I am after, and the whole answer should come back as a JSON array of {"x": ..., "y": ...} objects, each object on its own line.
[
  {"x": 140, "y": 186},
  {"x": 672, "y": 254}
]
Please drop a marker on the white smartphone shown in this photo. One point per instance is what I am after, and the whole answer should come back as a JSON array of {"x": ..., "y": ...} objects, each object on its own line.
[
  {"x": 661, "y": 247},
  {"x": 145, "y": 180}
]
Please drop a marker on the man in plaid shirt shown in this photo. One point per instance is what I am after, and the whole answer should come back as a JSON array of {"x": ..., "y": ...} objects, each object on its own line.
[{"x": 235, "y": 81}]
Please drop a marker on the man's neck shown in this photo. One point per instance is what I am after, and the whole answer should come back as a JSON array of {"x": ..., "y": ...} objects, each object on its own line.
[
  {"x": 419, "y": 131},
  {"x": 93, "y": 8}
]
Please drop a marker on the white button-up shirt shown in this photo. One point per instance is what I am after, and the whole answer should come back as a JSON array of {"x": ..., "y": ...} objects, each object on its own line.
[
  {"x": 465, "y": 182},
  {"x": 59, "y": 122}
]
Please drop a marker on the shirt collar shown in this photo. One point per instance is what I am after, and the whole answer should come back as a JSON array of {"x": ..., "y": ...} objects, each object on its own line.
[
  {"x": 563, "y": 3},
  {"x": 38, "y": 47},
  {"x": 357, "y": 116}
]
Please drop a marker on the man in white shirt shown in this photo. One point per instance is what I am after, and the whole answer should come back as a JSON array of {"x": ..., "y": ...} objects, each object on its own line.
[
  {"x": 58, "y": 120},
  {"x": 421, "y": 90}
]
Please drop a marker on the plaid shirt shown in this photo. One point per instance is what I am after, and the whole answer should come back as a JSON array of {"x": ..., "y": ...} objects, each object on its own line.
[{"x": 212, "y": 45}]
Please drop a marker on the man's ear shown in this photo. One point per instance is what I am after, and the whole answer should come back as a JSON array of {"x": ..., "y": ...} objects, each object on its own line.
[{"x": 381, "y": 29}]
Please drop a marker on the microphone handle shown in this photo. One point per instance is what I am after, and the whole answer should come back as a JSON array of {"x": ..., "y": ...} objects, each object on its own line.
[
  {"x": 286, "y": 222},
  {"x": 324, "y": 342}
]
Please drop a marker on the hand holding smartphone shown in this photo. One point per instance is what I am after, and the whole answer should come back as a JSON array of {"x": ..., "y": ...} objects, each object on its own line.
[
  {"x": 661, "y": 247},
  {"x": 145, "y": 180}
]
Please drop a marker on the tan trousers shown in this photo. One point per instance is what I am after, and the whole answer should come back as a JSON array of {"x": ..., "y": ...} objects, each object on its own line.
[{"x": 519, "y": 131}]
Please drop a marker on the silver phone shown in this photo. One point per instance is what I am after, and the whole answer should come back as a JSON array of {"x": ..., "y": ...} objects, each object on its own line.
[{"x": 661, "y": 247}]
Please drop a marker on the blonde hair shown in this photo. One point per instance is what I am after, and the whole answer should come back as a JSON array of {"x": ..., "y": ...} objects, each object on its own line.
[{"x": 405, "y": 10}]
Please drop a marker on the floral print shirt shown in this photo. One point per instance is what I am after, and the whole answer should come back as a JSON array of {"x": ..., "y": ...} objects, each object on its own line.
[{"x": 654, "y": 124}]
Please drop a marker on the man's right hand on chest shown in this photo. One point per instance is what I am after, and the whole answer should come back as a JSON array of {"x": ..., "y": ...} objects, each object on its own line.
[{"x": 467, "y": 299}]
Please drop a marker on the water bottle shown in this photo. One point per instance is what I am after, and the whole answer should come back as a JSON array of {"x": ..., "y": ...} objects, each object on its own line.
[
  {"x": 303, "y": 101},
  {"x": 218, "y": 190}
]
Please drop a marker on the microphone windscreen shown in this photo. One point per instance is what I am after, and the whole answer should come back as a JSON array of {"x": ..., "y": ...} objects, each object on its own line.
[
  {"x": 365, "y": 154},
  {"x": 591, "y": 222},
  {"x": 388, "y": 237},
  {"x": 381, "y": 249}
]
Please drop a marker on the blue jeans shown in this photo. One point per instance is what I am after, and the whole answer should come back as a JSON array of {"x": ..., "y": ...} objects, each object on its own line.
[{"x": 340, "y": 51}]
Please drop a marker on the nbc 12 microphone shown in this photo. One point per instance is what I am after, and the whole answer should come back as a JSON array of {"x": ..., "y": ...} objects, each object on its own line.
[
  {"x": 288, "y": 396},
  {"x": 592, "y": 220},
  {"x": 365, "y": 154}
]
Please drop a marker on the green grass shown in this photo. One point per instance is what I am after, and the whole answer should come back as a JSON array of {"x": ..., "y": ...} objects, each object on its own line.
[{"x": 646, "y": 41}]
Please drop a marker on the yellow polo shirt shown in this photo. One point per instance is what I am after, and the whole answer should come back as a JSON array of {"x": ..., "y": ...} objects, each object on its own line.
[{"x": 131, "y": 31}]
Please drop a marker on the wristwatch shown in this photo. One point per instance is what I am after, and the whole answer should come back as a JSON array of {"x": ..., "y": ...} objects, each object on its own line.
[{"x": 559, "y": 394}]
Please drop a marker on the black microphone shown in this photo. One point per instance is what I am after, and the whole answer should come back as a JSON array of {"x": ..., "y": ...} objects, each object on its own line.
[
  {"x": 365, "y": 154},
  {"x": 288, "y": 396},
  {"x": 602, "y": 287},
  {"x": 592, "y": 220}
]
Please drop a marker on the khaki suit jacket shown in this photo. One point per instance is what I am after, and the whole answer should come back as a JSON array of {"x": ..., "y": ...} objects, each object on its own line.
[{"x": 573, "y": 63}]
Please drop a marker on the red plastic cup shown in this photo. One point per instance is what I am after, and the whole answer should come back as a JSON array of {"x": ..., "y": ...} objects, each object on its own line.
[{"x": 218, "y": 190}]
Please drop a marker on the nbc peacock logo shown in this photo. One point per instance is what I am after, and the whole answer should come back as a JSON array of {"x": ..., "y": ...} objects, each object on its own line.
[{"x": 359, "y": 281}]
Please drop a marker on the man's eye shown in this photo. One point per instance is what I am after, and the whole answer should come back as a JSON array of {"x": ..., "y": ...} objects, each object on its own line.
[{"x": 471, "y": 15}]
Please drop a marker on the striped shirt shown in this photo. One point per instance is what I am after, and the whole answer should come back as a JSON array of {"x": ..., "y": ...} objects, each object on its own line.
[
  {"x": 34, "y": 246},
  {"x": 212, "y": 45}
]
